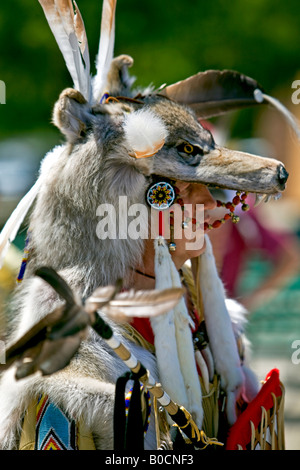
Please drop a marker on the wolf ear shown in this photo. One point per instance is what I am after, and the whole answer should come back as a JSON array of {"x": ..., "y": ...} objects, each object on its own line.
[
  {"x": 119, "y": 81},
  {"x": 72, "y": 114}
]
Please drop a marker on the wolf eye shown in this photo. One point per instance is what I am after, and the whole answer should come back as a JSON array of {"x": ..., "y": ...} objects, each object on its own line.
[{"x": 189, "y": 149}]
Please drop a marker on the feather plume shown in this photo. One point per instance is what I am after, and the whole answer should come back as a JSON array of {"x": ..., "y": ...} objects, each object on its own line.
[
  {"x": 214, "y": 92},
  {"x": 106, "y": 48},
  {"x": 69, "y": 32},
  {"x": 52, "y": 342},
  {"x": 82, "y": 37},
  {"x": 140, "y": 303},
  {"x": 145, "y": 133},
  {"x": 10, "y": 229}
]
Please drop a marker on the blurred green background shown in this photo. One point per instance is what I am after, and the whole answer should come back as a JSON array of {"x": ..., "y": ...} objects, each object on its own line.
[{"x": 169, "y": 41}]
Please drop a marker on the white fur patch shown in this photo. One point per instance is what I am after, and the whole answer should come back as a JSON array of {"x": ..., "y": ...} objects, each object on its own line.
[
  {"x": 145, "y": 132},
  {"x": 220, "y": 331}
]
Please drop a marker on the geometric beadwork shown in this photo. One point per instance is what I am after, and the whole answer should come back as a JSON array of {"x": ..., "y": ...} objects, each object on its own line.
[
  {"x": 54, "y": 430},
  {"x": 161, "y": 195}
]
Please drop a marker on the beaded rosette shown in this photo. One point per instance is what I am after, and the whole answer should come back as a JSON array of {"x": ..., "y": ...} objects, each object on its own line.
[{"x": 161, "y": 195}]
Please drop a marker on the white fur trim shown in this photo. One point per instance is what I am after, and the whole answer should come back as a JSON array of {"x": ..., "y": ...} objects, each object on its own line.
[
  {"x": 220, "y": 332},
  {"x": 186, "y": 355},
  {"x": 164, "y": 332},
  {"x": 173, "y": 342},
  {"x": 145, "y": 132}
]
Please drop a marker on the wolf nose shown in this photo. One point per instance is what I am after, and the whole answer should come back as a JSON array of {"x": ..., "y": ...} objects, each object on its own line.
[{"x": 282, "y": 175}]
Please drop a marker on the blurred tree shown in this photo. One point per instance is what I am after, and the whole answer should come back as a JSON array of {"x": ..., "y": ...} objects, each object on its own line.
[{"x": 169, "y": 40}]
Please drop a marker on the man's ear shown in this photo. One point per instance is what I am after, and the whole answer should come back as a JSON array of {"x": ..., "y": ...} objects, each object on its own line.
[{"x": 71, "y": 114}]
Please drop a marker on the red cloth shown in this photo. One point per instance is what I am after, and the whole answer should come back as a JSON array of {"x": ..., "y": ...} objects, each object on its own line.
[
  {"x": 240, "y": 432},
  {"x": 143, "y": 326}
]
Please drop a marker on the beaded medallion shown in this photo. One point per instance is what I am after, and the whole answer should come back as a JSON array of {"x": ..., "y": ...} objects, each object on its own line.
[{"x": 160, "y": 195}]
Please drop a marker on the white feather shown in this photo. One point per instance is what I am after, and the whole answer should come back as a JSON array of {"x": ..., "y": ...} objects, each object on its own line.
[
  {"x": 10, "y": 229},
  {"x": 61, "y": 19},
  {"x": 145, "y": 132},
  {"x": 106, "y": 48}
]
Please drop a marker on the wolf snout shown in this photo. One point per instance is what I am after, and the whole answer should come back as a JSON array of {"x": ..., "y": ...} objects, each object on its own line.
[{"x": 282, "y": 175}]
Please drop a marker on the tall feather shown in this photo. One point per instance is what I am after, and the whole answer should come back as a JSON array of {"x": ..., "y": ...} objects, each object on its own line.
[
  {"x": 82, "y": 37},
  {"x": 14, "y": 222},
  {"x": 106, "y": 48},
  {"x": 69, "y": 32}
]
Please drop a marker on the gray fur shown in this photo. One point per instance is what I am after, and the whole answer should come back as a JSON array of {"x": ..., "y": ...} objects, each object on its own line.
[{"x": 92, "y": 168}]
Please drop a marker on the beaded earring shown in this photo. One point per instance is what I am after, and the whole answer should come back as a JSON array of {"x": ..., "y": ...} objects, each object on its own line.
[{"x": 160, "y": 196}]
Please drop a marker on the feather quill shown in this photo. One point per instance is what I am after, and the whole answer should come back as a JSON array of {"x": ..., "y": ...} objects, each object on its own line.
[
  {"x": 106, "y": 48},
  {"x": 214, "y": 92},
  {"x": 67, "y": 28},
  {"x": 10, "y": 229},
  {"x": 142, "y": 303}
]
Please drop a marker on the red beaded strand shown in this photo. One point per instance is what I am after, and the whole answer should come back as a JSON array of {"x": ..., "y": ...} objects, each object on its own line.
[
  {"x": 231, "y": 205},
  {"x": 239, "y": 198}
]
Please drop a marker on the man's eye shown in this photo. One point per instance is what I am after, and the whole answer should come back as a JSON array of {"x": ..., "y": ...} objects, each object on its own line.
[{"x": 189, "y": 149}]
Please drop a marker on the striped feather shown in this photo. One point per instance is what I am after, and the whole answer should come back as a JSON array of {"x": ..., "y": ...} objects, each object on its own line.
[
  {"x": 82, "y": 37},
  {"x": 106, "y": 48},
  {"x": 214, "y": 92},
  {"x": 67, "y": 29}
]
